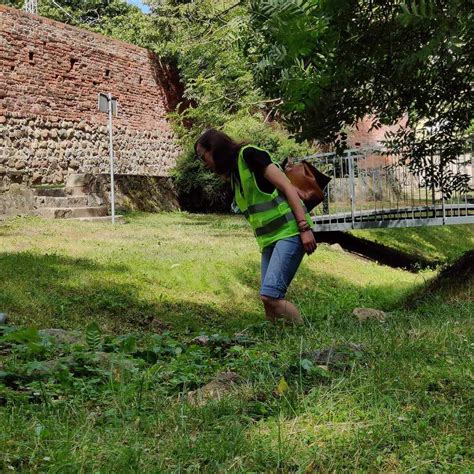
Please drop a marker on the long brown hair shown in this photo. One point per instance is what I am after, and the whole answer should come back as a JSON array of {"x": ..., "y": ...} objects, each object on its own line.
[{"x": 225, "y": 150}]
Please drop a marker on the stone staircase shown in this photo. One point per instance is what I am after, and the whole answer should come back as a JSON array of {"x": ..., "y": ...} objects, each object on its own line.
[{"x": 76, "y": 200}]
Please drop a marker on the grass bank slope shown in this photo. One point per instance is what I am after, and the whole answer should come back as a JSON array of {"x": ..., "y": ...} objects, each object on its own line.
[
  {"x": 442, "y": 244},
  {"x": 195, "y": 272}
]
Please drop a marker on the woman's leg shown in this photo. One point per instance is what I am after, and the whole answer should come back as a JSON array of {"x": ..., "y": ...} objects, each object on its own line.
[
  {"x": 266, "y": 257},
  {"x": 275, "y": 309},
  {"x": 279, "y": 265}
]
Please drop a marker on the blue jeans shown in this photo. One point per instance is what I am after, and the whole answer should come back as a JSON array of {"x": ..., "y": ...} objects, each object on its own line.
[{"x": 280, "y": 261}]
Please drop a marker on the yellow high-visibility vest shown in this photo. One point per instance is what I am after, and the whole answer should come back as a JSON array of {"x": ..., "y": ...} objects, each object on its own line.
[{"x": 269, "y": 215}]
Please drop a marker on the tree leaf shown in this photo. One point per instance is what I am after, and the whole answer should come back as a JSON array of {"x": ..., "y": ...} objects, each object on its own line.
[{"x": 306, "y": 364}]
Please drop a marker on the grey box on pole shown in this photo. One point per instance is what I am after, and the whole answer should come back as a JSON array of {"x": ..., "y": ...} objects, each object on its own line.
[{"x": 103, "y": 104}]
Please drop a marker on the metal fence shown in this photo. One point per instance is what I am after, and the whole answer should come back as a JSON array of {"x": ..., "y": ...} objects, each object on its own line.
[{"x": 369, "y": 189}]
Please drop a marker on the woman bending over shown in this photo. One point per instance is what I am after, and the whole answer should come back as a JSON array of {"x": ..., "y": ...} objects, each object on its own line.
[{"x": 271, "y": 204}]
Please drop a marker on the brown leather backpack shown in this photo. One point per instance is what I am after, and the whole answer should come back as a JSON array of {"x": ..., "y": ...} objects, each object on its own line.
[{"x": 308, "y": 181}]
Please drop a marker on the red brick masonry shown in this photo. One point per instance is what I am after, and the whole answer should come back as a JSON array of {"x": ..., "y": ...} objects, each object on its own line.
[{"x": 50, "y": 76}]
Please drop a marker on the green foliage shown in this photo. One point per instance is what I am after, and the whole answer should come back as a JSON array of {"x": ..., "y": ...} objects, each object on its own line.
[
  {"x": 202, "y": 191},
  {"x": 272, "y": 138},
  {"x": 115, "y": 18},
  {"x": 206, "y": 39},
  {"x": 417, "y": 8},
  {"x": 93, "y": 336},
  {"x": 333, "y": 63},
  {"x": 198, "y": 189}
]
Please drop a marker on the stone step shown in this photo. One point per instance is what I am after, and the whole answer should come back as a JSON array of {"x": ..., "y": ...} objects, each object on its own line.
[
  {"x": 68, "y": 201},
  {"x": 76, "y": 190},
  {"x": 118, "y": 219},
  {"x": 95, "y": 199},
  {"x": 78, "y": 179},
  {"x": 52, "y": 192},
  {"x": 71, "y": 212}
]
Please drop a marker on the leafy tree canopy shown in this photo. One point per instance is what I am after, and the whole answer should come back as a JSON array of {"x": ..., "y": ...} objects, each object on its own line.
[
  {"x": 114, "y": 18},
  {"x": 334, "y": 62},
  {"x": 207, "y": 40}
]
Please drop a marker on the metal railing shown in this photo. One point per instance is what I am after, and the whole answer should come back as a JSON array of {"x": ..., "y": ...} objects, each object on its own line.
[{"x": 370, "y": 189}]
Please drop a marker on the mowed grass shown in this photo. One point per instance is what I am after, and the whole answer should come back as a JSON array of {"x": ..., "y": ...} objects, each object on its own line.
[
  {"x": 404, "y": 406},
  {"x": 440, "y": 244}
]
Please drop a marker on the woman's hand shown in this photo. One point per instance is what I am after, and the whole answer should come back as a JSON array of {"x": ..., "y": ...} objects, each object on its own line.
[{"x": 309, "y": 242}]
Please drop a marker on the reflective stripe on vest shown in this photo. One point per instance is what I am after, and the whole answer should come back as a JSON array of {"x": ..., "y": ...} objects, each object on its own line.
[
  {"x": 266, "y": 206},
  {"x": 275, "y": 224}
]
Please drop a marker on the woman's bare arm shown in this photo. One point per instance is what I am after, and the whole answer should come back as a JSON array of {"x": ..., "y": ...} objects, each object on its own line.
[{"x": 273, "y": 174}]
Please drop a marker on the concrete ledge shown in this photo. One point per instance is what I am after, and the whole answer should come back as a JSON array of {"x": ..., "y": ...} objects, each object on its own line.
[
  {"x": 17, "y": 201},
  {"x": 68, "y": 213},
  {"x": 118, "y": 219}
]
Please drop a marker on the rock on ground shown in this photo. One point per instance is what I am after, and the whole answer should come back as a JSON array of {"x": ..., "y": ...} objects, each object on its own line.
[
  {"x": 62, "y": 336},
  {"x": 214, "y": 390},
  {"x": 337, "y": 357},
  {"x": 363, "y": 314}
]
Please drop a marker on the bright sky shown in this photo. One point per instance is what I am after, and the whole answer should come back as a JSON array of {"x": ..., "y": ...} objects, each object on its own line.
[{"x": 139, "y": 4}]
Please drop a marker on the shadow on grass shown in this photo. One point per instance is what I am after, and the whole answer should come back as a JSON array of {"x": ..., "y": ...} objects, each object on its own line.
[
  {"x": 53, "y": 290},
  {"x": 445, "y": 243},
  {"x": 63, "y": 292}
]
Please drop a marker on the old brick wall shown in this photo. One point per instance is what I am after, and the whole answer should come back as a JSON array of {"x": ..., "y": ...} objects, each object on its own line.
[
  {"x": 362, "y": 135},
  {"x": 50, "y": 76}
]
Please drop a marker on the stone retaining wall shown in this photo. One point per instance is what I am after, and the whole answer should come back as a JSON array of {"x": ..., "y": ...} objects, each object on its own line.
[
  {"x": 44, "y": 150},
  {"x": 138, "y": 193},
  {"x": 50, "y": 76}
]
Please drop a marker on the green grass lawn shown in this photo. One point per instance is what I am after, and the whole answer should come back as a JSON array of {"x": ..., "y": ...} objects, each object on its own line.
[
  {"x": 402, "y": 404},
  {"x": 442, "y": 244}
]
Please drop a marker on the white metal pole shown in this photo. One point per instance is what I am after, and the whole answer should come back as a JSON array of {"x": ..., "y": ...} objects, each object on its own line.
[
  {"x": 352, "y": 186},
  {"x": 31, "y": 6},
  {"x": 444, "y": 207},
  {"x": 111, "y": 155}
]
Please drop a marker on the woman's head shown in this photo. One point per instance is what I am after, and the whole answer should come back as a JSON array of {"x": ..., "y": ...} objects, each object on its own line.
[{"x": 218, "y": 151}]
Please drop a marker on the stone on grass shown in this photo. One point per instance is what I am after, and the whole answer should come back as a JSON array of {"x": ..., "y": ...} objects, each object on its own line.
[
  {"x": 158, "y": 326},
  {"x": 107, "y": 360},
  {"x": 363, "y": 314},
  {"x": 104, "y": 360},
  {"x": 53, "y": 366},
  {"x": 201, "y": 340},
  {"x": 214, "y": 390},
  {"x": 61, "y": 336},
  {"x": 3, "y": 318},
  {"x": 336, "y": 357}
]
